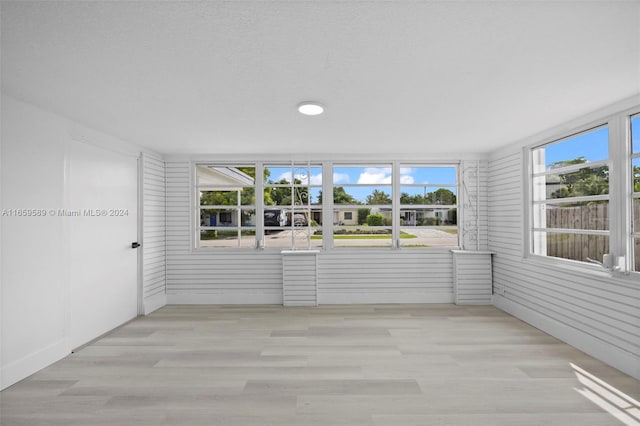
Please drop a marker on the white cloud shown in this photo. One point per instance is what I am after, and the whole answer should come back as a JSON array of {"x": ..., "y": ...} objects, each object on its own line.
[
  {"x": 285, "y": 175},
  {"x": 316, "y": 179},
  {"x": 406, "y": 179},
  {"x": 340, "y": 178},
  {"x": 373, "y": 175}
]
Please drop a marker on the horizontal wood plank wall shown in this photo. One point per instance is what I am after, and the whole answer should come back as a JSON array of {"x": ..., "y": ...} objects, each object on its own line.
[
  {"x": 153, "y": 233},
  {"x": 472, "y": 277},
  {"x": 598, "y": 314},
  {"x": 300, "y": 278},
  {"x": 385, "y": 276}
]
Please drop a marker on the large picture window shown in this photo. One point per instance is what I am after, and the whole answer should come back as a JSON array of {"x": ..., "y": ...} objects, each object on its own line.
[
  {"x": 379, "y": 205},
  {"x": 570, "y": 188}
]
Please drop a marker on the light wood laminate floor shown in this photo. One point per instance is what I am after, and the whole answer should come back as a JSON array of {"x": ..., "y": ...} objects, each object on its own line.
[{"x": 393, "y": 365}]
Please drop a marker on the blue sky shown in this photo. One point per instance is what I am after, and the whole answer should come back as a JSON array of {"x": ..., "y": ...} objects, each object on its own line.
[{"x": 592, "y": 145}]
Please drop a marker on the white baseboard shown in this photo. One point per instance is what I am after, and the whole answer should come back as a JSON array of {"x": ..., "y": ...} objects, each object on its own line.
[
  {"x": 154, "y": 303},
  {"x": 324, "y": 298},
  {"x": 615, "y": 357},
  {"x": 225, "y": 299},
  {"x": 339, "y": 298},
  {"x": 27, "y": 365}
]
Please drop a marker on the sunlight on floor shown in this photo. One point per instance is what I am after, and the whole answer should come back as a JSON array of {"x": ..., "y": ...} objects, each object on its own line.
[{"x": 618, "y": 404}]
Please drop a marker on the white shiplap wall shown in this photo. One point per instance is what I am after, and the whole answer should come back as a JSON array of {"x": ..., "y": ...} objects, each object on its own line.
[
  {"x": 300, "y": 277},
  {"x": 344, "y": 275},
  {"x": 385, "y": 276},
  {"x": 153, "y": 233},
  {"x": 597, "y": 313},
  {"x": 472, "y": 277}
]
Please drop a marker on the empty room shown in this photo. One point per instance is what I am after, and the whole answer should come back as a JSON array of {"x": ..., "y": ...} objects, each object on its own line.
[{"x": 316, "y": 212}]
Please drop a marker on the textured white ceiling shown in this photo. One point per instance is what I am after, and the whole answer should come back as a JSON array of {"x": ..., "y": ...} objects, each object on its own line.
[{"x": 397, "y": 77}]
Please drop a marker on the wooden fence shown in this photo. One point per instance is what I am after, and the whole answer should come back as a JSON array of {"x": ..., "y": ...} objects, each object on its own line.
[{"x": 584, "y": 247}]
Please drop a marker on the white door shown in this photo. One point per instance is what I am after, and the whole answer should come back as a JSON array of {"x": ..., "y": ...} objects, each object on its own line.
[{"x": 103, "y": 190}]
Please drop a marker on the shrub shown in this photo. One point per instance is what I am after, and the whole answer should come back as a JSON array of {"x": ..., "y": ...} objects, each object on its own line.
[
  {"x": 375, "y": 219},
  {"x": 431, "y": 221}
]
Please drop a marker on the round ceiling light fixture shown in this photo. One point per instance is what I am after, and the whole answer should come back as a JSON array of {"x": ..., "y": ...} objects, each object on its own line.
[{"x": 310, "y": 108}]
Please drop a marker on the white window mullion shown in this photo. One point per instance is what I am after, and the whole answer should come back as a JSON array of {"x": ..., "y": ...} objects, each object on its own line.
[
  {"x": 395, "y": 204},
  {"x": 619, "y": 187},
  {"x": 259, "y": 204},
  {"x": 327, "y": 205}
]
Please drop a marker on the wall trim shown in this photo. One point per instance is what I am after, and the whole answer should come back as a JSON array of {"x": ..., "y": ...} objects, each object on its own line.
[
  {"x": 225, "y": 299},
  {"x": 617, "y": 358},
  {"x": 344, "y": 298},
  {"x": 24, "y": 367}
]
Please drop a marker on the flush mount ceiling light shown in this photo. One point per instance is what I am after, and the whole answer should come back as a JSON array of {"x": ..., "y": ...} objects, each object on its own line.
[{"x": 310, "y": 108}]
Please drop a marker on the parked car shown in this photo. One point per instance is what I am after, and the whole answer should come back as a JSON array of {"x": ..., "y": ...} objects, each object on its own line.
[
  {"x": 272, "y": 218},
  {"x": 299, "y": 220}
]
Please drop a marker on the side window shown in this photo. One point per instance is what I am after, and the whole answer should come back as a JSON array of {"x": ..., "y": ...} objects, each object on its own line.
[
  {"x": 226, "y": 213},
  {"x": 635, "y": 175},
  {"x": 362, "y": 206},
  {"x": 570, "y": 197},
  {"x": 428, "y": 206}
]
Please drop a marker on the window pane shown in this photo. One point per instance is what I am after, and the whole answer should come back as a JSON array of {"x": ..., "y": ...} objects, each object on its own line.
[
  {"x": 362, "y": 227},
  {"x": 415, "y": 195},
  {"x": 277, "y": 196},
  {"x": 427, "y": 175},
  {"x": 590, "y": 216},
  {"x": 225, "y": 176},
  {"x": 635, "y": 133},
  {"x": 582, "y": 148},
  {"x": 219, "y": 217},
  {"x": 636, "y": 174},
  {"x": 429, "y": 236},
  {"x": 219, "y": 238},
  {"x": 275, "y": 174},
  {"x": 219, "y": 198},
  {"x": 362, "y": 236},
  {"x": 361, "y": 175},
  {"x": 376, "y": 195},
  {"x": 293, "y": 237},
  {"x": 308, "y": 175},
  {"x": 584, "y": 182},
  {"x": 636, "y": 247},
  {"x": 584, "y": 248}
]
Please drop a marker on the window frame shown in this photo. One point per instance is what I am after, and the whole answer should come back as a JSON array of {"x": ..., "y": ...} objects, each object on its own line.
[
  {"x": 238, "y": 207},
  {"x": 327, "y": 206},
  {"x": 620, "y": 193},
  {"x": 633, "y": 195}
]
